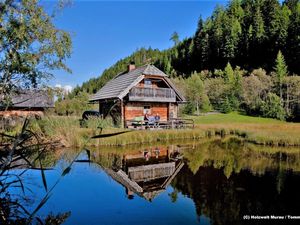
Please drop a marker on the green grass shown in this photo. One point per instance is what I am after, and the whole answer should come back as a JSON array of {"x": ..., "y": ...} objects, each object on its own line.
[
  {"x": 148, "y": 136},
  {"x": 262, "y": 131},
  {"x": 230, "y": 118},
  {"x": 257, "y": 130},
  {"x": 63, "y": 130}
]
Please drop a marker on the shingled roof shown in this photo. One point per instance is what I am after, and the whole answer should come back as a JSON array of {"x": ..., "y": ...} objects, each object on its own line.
[
  {"x": 120, "y": 85},
  {"x": 32, "y": 99}
]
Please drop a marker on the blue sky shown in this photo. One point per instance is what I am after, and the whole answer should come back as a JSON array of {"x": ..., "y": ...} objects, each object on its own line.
[{"x": 106, "y": 31}]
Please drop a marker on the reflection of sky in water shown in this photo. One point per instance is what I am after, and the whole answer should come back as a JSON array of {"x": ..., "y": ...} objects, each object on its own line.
[
  {"x": 218, "y": 180},
  {"x": 95, "y": 198}
]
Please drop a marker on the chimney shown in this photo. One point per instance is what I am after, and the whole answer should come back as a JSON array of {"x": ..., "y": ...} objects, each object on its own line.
[{"x": 131, "y": 66}]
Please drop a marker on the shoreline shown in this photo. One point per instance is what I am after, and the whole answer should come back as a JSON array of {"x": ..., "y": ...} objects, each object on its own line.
[
  {"x": 66, "y": 131},
  {"x": 145, "y": 137}
]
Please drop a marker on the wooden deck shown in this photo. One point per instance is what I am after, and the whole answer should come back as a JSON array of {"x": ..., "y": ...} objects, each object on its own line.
[
  {"x": 151, "y": 172},
  {"x": 175, "y": 123}
]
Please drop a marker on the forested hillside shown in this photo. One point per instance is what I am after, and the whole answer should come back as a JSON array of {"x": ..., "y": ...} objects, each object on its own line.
[{"x": 242, "y": 41}]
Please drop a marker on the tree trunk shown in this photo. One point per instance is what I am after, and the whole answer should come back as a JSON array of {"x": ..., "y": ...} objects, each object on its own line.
[{"x": 197, "y": 108}]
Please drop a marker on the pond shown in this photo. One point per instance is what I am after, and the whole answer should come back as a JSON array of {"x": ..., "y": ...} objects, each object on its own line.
[{"x": 219, "y": 181}]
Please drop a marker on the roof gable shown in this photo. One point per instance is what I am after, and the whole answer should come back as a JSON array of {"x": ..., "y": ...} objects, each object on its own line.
[
  {"x": 152, "y": 70},
  {"x": 120, "y": 85}
]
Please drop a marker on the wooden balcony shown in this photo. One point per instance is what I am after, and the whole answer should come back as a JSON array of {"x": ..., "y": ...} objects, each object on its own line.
[
  {"x": 151, "y": 172},
  {"x": 152, "y": 94}
]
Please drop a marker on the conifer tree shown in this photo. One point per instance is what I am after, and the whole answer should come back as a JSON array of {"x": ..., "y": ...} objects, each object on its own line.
[
  {"x": 175, "y": 38},
  {"x": 281, "y": 72},
  {"x": 293, "y": 41},
  {"x": 228, "y": 74}
]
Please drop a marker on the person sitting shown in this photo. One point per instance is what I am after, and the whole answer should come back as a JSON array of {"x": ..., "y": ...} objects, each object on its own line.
[
  {"x": 146, "y": 117},
  {"x": 151, "y": 120},
  {"x": 157, "y": 118}
]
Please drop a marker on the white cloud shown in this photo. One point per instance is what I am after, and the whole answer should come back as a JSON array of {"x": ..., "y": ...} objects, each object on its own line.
[{"x": 66, "y": 88}]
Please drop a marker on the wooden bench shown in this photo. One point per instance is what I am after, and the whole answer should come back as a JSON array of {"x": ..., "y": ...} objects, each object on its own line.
[
  {"x": 136, "y": 122},
  {"x": 139, "y": 122},
  {"x": 179, "y": 123}
]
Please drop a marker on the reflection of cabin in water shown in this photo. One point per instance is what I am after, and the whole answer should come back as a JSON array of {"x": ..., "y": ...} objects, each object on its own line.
[
  {"x": 131, "y": 94},
  {"x": 147, "y": 173}
]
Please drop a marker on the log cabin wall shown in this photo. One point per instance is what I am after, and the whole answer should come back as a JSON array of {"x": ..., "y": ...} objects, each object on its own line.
[
  {"x": 22, "y": 113},
  {"x": 173, "y": 110},
  {"x": 135, "y": 109},
  {"x": 142, "y": 84}
]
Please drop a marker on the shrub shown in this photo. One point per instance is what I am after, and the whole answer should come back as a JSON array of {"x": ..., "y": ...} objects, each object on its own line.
[
  {"x": 272, "y": 107},
  {"x": 226, "y": 106},
  {"x": 188, "y": 108}
]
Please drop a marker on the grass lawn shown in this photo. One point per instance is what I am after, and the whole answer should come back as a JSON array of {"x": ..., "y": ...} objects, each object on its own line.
[
  {"x": 258, "y": 130},
  {"x": 230, "y": 118}
]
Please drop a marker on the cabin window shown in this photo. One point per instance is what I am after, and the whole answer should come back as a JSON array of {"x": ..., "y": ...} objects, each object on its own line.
[
  {"x": 147, "y": 109},
  {"x": 148, "y": 83}
]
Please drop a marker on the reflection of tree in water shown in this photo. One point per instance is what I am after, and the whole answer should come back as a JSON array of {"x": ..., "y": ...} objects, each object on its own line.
[
  {"x": 225, "y": 201},
  {"x": 233, "y": 155},
  {"x": 108, "y": 160},
  {"x": 174, "y": 195},
  {"x": 227, "y": 181}
]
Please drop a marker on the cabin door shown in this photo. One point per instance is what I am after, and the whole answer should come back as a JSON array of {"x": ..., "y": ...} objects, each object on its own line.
[{"x": 147, "y": 109}]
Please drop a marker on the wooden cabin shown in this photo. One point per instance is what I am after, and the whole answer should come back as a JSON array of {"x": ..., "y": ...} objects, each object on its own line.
[
  {"x": 27, "y": 103},
  {"x": 132, "y": 94}
]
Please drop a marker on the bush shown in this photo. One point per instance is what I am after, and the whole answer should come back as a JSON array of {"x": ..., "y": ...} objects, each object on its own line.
[
  {"x": 226, "y": 106},
  {"x": 188, "y": 108},
  {"x": 74, "y": 106},
  {"x": 205, "y": 105},
  {"x": 272, "y": 107}
]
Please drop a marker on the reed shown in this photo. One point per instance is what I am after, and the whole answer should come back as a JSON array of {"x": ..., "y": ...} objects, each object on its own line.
[
  {"x": 63, "y": 130},
  {"x": 148, "y": 136}
]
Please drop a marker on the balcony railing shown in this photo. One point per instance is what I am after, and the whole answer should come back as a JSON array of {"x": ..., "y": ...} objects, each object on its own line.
[{"x": 152, "y": 94}]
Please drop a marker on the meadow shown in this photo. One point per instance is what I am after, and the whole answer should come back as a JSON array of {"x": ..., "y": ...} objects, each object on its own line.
[
  {"x": 263, "y": 131},
  {"x": 66, "y": 131}
]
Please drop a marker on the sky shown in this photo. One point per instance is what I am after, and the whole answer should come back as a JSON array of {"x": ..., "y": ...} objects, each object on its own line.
[{"x": 105, "y": 31}]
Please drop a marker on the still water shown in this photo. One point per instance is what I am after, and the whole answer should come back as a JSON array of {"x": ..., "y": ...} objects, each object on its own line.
[{"x": 212, "y": 182}]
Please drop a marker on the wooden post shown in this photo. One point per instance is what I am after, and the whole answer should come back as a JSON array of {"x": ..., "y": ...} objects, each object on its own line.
[
  {"x": 100, "y": 108},
  {"x": 122, "y": 115},
  {"x": 169, "y": 112}
]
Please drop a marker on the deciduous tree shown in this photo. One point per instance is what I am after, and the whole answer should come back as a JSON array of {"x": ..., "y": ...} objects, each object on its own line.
[{"x": 31, "y": 45}]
